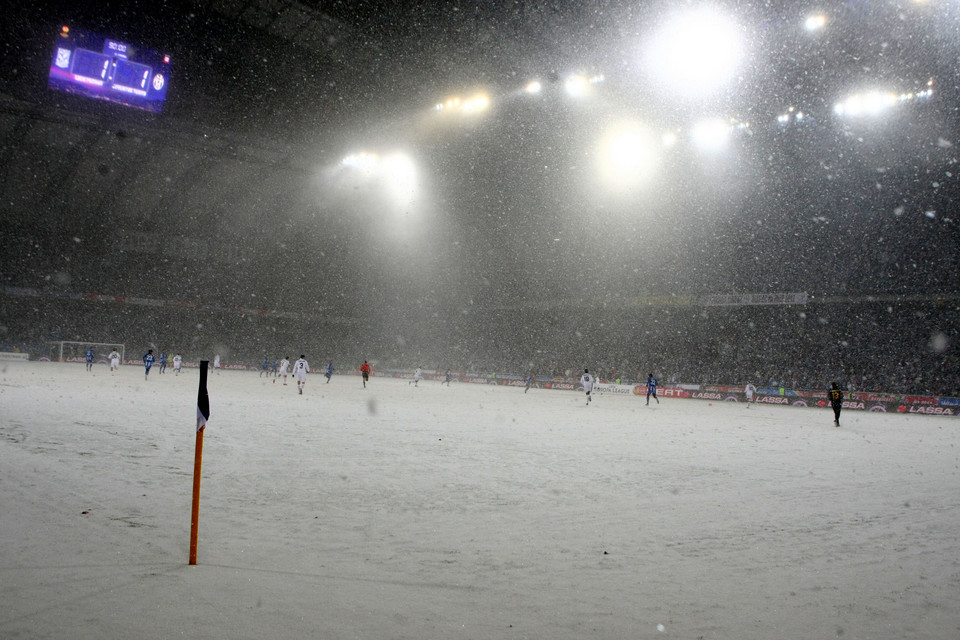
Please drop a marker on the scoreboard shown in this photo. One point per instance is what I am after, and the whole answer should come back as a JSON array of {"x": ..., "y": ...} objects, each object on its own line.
[{"x": 97, "y": 67}]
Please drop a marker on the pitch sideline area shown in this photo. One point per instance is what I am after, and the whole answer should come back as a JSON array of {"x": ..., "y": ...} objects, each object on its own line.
[{"x": 463, "y": 512}]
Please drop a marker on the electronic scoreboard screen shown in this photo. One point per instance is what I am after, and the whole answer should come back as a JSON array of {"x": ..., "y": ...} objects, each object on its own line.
[{"x": 94, "y": 66}]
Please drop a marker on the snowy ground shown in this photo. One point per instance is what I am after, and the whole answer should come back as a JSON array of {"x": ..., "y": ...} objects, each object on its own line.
[{"x": 464, "y": 512}]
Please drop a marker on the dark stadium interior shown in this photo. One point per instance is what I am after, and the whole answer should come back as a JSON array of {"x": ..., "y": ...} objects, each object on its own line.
[{"x": 510, "y": 261}]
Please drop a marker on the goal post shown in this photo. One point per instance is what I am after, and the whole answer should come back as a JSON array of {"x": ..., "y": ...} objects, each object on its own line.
[{"x": 75, "y": 351}]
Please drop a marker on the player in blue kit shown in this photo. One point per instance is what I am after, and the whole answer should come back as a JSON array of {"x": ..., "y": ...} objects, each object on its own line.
[
  {"x": 163, "y": 361},
  {"x": 329, "y": 372},
  {"x": 148, "y": 360},
  {"x": 89, "y": 355},
  {"x": 652, "y": 388}
]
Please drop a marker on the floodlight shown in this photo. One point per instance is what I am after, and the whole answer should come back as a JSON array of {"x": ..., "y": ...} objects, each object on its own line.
[
  {"x": 627, "y": 157},
  {"x": 866, "y": 104},
  {"x": 816, "y": 22},
  {"x": 394, "y": 174},
  {"x": 475, "y": 104},
  {"x": 576, "y": 85},
  {"x": 400, "y": 176},
  {"x": 362, "y": 160},
  {"x": 791, "y": 115},
  {"x": 696, "y": 52},
  {"x": 456, "y": 105},
  {"x": 534, "y": 87},
  {"x": 711, "y": 135}
]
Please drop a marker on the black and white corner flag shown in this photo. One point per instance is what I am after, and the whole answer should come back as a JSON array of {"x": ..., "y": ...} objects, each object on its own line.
[{"x": 203, "y": 401}]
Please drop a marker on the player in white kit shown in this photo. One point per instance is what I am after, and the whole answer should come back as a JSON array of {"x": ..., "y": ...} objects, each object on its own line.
[
  {"x": 177, "y": 363},
  {"x": 587, "y": 381},
  {"x": 300, "y": 370},
  {"x": 416, "y": 377},
  {"x": 114, "y": 361},
  {"x": 284, "y": 365}
]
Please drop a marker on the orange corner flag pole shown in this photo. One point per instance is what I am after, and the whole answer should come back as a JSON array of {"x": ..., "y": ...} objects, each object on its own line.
[{"x": 203, "y": 414}]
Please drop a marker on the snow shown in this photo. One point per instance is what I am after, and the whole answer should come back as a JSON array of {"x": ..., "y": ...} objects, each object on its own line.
[{"x": 463, "y": 512}]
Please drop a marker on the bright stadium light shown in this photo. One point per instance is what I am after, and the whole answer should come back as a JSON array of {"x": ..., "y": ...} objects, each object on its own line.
[
  {"x": 815, "y": 22},
  {"x": 627, "y": 157},
  {"x": 711, "y": 135},
  {"x": 361, "y": 164},
  {"x": 361, "y": 160},
  {"x": 576, "y": 86},
  {"x": 394, "y": 175},
  {"x": 533, "y": 87},
  {"x": 400, "y": 178},
  {"x": 791, "y": 115},
  {"x": 872, "y": 103},
  {"x": 696, "y": 52},
  {"x": 472, "y": 105},
  {"x": 476, "y": 104}
]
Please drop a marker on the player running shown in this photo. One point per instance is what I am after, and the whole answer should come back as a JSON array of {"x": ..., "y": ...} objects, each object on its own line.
[
  {"x": 750, "y": 392},
  {"x": 446, "y": 378},
  {"x": 284, "y": 365},
  {"x": 114, "y": 361},
  {"x": 177, "y": 363},
  {"x": 89, "y": 355},
  {"x": 652, "y": 388},
  {"x": 301, "y": 369},
  {"x": 416, "y": 377},
  {"x": 529, "y": 382},
  {"x": 365, "y": 372},
  {"x": 163, "y": 362},
  {"x": 148, "y": 359},
  {"x": 587, "y": 381},
  {"x": 329, "y": 372}
]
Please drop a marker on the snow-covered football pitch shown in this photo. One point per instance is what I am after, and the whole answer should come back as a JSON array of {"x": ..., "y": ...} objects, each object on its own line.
[{"x": 464, "y": 512}]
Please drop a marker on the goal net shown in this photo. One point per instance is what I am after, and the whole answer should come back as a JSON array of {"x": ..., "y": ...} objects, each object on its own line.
[{"x": 69, "y": 351}]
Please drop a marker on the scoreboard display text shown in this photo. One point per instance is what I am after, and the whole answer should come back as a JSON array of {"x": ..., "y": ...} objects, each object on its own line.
[{"x": 97, "y": 67}]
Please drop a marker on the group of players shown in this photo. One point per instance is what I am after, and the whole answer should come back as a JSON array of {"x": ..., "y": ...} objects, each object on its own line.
[
  {"x": 148, "y": 361},
  {"x": 834, "y": 394},
  {"x": 587, "y": 381},
  {"x": 301, "y": 368}
]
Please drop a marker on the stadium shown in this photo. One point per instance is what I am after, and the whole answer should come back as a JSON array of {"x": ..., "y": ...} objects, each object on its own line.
[
  {"x": 536, "y": 232},
  {"x": 720, "y": 193}
]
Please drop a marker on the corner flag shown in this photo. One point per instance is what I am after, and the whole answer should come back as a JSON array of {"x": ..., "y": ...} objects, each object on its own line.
[
  {"x": 203, "y": 400},
  {"x": 203, "y": 414}
]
